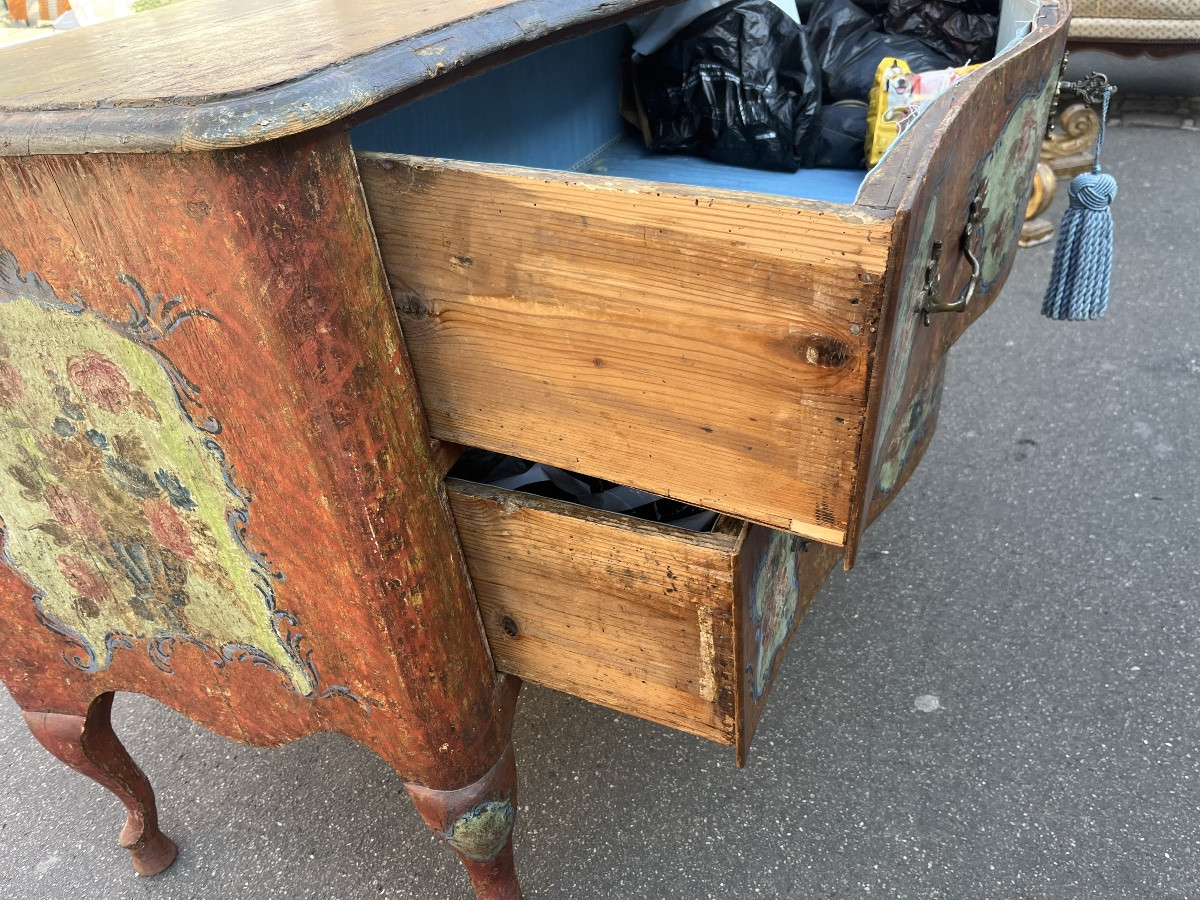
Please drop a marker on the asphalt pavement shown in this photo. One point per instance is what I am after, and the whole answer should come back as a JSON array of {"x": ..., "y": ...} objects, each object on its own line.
[{"x": 1000, "y": 701}]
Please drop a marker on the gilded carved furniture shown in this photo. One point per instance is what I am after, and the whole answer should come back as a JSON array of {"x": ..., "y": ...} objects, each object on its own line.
[
  {"x": 1066, "y": 152},
  {"x": 238, "y": 352},
  {"x": 1127, "y": 28}
]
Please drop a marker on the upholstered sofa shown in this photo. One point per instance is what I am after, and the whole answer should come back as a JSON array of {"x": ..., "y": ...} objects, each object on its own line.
[
  {"x": 1128, "y": 28},
  {"x": 1133, "y": 27}
]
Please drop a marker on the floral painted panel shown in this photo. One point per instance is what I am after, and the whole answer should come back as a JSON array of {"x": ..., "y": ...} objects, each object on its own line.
[
  {"x": 901, "y": 360},
  {"x": 119, "y": 506},
  {"x": 774, "y": 600},
  {"x": 1008, "y": 173}
]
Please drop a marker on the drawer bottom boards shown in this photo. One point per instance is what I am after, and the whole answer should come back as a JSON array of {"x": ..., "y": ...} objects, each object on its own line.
[{"x": 682, "y": 628}]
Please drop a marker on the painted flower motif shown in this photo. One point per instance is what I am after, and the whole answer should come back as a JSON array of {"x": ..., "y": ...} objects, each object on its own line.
[
  {"x": 168, "y": 528},
  {"x": 29, "y": 479},
  {"x": 69, "y": 407},
  {"x": 12, "y": 385},
  {"x": 1029, "y": 134},
  {"x": 175, "y": 489},
  {"x": 69, "y": 458},
  {"x": 101, "y": 381},
  {"x": 105, "y": 459},
  {"x": 131, "y": 448},
  {"x": 145, "y": 407},
  {"x": 1009, "y": 174},
  {"x": 1001, "y": 238},
  {"x": 90, "y": 587},
  {"x": 72, "y": 510},
  {"x": 130, "y": 478}
]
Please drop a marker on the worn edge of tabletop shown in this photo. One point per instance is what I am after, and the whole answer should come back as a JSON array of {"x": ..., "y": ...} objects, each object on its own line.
[{"x": 145, "y": 95}]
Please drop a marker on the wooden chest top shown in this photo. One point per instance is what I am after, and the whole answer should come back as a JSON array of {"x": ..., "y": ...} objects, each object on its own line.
[{"x": 172, "y": 80}]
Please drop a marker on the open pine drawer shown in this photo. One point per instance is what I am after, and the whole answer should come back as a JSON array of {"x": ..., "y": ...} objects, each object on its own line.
[
  {"x": 761, "y": 355},
  {"x": 682, "y": 628}
]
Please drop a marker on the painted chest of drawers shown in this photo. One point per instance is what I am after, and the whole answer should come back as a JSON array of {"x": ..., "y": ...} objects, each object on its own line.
[{"x": 251, "y": 310}]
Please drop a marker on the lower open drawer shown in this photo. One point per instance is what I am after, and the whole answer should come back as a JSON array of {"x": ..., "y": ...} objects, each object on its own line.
[{"x": 682, "y": 628}]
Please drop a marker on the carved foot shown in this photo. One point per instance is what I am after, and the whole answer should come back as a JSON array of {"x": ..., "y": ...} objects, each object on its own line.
[
  {"x": 477, "y": 822},
  {"x": 89, "y": 745}
]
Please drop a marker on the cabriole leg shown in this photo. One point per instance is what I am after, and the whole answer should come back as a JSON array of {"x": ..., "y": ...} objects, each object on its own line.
[
  {"x": 89, "y": 745},
  {"x": 477, "y": 821}
]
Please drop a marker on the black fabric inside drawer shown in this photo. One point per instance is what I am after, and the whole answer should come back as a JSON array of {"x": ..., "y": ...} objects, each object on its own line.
[{"x": 515, "y": 474}]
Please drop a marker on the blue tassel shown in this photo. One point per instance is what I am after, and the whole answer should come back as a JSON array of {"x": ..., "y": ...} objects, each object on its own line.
[{"x": 1079, "y": 281}]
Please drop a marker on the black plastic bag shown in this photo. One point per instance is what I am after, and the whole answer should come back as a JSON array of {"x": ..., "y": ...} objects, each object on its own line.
[
  {"x": 963, "y": 30},
  {"x": 850, "y": 43},
  {"x": 843, "y": 137},
  {"x": 738, "y": 85}
]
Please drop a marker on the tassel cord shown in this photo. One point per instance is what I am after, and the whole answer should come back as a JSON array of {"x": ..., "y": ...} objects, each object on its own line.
[{"x": 1079, "y": 279}]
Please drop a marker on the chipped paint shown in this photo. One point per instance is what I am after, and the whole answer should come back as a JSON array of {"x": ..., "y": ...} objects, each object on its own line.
[
  {"x": 913, "y": 429},
  {"x": 708, "y": 656},
  {"x": 774, "y": 600},
  {"x": 482, "y": 833}
]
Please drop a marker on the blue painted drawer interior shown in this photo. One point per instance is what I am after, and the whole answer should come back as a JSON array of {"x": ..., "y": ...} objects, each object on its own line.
[{"x": 559, "y": 109}]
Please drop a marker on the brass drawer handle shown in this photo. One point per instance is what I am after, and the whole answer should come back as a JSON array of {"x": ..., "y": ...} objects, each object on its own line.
[{"x": 931, "y": 300}]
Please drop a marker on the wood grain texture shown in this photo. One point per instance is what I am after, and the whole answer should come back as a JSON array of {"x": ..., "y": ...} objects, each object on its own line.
[
  {"x": 986, "y": 130},
  {"x": 632, "y": 615},
  {"x": 706, "y": 345},
  {"x": 299, "y": 359},
  {"x": 687, "y": 630},
  {"x": 222, "y": 73}
]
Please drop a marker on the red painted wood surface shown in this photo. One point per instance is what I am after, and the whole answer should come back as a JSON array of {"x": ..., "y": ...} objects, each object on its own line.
[
  {"x": 476, "y": 821},
  {"x": 302, "y": 364}
]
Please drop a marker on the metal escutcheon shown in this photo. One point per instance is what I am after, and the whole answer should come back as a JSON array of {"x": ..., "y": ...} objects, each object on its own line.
[
  {"x": 931, "y": 300},
  {"x": 1091, "y": 89}
]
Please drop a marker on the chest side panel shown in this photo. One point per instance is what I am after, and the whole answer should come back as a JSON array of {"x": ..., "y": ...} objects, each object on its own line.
[{"x": 214, "y": 482}]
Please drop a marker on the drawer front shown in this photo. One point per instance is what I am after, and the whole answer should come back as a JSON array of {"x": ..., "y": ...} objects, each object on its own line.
[
  {"x": 649, "y": 334},
  {"x": 980, "y": 139},
  {"x": 684, "y": 629}
]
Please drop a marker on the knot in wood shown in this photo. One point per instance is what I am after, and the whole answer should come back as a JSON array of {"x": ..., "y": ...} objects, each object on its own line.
[{"x": 824, "y": 351}]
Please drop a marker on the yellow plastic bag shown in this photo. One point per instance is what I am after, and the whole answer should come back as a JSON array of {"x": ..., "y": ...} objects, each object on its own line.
[
  {"x": 897, "y": 96},
  {"x": 888, "y": 103}
]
